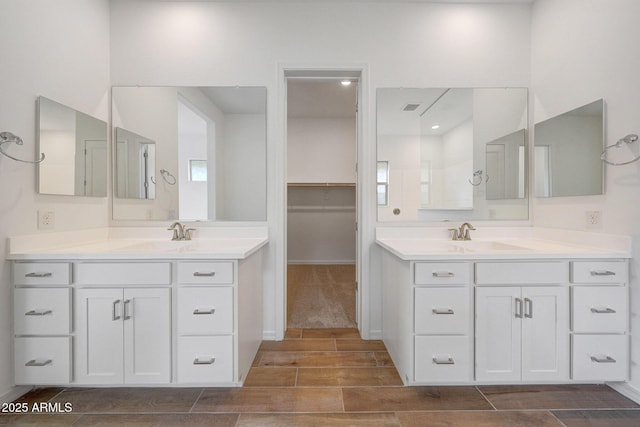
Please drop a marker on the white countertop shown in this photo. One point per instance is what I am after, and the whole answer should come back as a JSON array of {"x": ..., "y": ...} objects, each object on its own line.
[
  {"x": 135, "y": 244},
  {"x": 514, "y": 243}
]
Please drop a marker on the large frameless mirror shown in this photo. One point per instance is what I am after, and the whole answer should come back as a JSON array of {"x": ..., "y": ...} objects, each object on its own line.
[
  {"x": 452, "y": 154},
  {"x": 76, "y": 151},
  {"x": 189, "y": 153},
  {"x": 567, "y": 153}
]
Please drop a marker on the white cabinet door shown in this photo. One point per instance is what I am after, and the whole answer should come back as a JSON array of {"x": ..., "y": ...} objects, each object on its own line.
[
  {"x": 545, "y": 333},
  {"x": 124, "y": 336},
  {"x": 147, "y": 335},
  {"x": 498, "y": 329},
  {"x": 100, "y": 345}
]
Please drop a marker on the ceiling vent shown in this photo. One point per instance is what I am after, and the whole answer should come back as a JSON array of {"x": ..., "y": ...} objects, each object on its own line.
[{"x": 410, "y": 107}]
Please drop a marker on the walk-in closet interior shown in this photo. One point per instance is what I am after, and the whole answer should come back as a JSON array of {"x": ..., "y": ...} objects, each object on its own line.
[{"x": 321, "y": 199}]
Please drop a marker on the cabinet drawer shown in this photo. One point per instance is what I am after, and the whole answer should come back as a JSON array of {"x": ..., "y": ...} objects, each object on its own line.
[
  {"x": 41, "y": 273},
  {"x": 442, "y": 311},
  {"x": 43, "y": 360},
  {"x": 205, "y": 359},
  {"x": 441, "y": 273},
  {"x": 600, "y": 272},
  {"x": 599, "y": 309},
  {"x": 600, "y": 357},
  {"x": 42, "y": 311},
  {"x": 205, "y": 272},
  {"x": 520, "y": 273},
  {"x": 205, "y": 310},
  {"x": 442, "y": 359},
  {"x": 121, "y": 273}
]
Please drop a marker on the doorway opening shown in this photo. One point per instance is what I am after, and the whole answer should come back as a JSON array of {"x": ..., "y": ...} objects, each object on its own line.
[{"x": 322, "y": 249}]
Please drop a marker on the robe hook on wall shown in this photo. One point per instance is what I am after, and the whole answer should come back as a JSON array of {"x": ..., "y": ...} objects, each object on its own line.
[
  {"x": 631, "y": 138},
  {"x": 6, "y": 137}
]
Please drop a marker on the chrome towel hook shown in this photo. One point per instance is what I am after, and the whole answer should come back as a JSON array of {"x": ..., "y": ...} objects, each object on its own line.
[
  {"x": 478, "y": 178},
  {"x": 6, "y": 137},
  {"x": 629, "y": 139}
]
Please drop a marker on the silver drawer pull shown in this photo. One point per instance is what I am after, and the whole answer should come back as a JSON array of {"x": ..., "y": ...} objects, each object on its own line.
[
  {"x": 603, "y": 273},
  {"x": 38, "y": 312},
  {"x": 204, "y": 274},
  {"x": 448, "y": 360},
  {"x": 39, "y": 275},
  {"x": 209, "y": 361},
  {"x": 114, "y": 310},
  {"x": 442, "y": 311},
  {"x": 443, "y": 274},
  {"x": 603, "y": 359},
  {"x": 602, "y": 310},
  {"x": 199, "y": 311},
  {"x": 34, "y": 362}
]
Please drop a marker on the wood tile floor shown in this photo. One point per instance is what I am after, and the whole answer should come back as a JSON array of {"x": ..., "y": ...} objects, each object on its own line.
[{"x": 327, "y": 377}]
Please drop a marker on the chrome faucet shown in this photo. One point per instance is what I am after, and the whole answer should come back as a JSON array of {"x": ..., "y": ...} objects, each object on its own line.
[
  {"x": 462, "y": 233},
  {"x": 180, "y": 232}
]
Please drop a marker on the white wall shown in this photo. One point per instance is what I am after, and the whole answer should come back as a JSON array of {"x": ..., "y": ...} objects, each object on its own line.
[
  {"x": 396, "y": 44},
  {"x": 582, "y": 51},
  {"x": 59, "y": 50}
]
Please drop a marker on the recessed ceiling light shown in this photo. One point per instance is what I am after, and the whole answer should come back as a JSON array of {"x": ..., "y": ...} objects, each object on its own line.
[
  {"x": 434, "y": 127},
  {"x": 345, "y": 82}
]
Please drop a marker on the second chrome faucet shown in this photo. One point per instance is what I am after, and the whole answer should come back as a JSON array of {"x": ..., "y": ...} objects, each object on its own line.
[
  {"x": 180, "y": 232},
  {"x": 462, "y": 233}
]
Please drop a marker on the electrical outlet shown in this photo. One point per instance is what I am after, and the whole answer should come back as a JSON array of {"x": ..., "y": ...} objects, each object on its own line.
[
  {"x": 46, "y": 220},
  {"x": 594, "y": 220}
]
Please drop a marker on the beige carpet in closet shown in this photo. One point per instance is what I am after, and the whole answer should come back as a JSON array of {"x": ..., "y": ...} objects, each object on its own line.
[{"x": 321, "y": 296}]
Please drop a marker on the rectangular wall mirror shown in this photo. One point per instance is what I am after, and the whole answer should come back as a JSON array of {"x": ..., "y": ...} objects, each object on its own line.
[
  {"x": 189, "y": 153},
  {"x": 567, "y": 153},
  {"x": 452, "y": 154},
  {"x": 76, "y": 148}
]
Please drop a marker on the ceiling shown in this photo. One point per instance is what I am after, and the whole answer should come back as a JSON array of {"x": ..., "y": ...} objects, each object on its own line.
[{"x": 320, "y": 98}]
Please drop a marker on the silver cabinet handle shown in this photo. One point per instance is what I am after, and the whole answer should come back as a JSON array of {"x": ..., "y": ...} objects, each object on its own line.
[
  {"x": 36, "y": 274},
  {"x": 528, "y": 303},
  {"x": 209, "y": 361},
  {"x": 38, "y": 312},
  {"x": 114, "y": 309},
  {"x": 442, "y": 311},
  {"x": 34, "y": 362},
  {"x": 603, "y": 359},
  {"x": 602, "y": 310},
  {"x": 448, "y": 360},
  {"x": 603, "y": 273},
  {"x": 204, "y": 274},
  {"x": 519, "y": 308},
  {"x": 127, "y": 314},
  {"x": 443, "y": 274},
  {"x": 199, "y": 311}
]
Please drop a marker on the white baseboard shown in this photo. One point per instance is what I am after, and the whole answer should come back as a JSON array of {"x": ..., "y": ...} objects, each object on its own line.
[
  {"x": 627, "y": 390},
  {"x": 375, "y": 335},
  {"x": 321, "y": 262},
  {"x": 14, "y": 393},
  {"x": 269, "y": 335}
]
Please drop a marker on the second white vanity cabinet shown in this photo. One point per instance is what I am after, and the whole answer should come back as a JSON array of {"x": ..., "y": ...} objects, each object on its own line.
[{"x": 496, "y": 319}]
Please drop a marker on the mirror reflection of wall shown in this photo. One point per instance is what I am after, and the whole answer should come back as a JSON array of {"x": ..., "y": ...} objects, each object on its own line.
[
  {"x": 568, "y": 148},
  {"x": 212, "y": 142},
  {"x": 76, "y": 148},
  {"x": 135, "y": 165},
  {"x": 437, "y": 145}
]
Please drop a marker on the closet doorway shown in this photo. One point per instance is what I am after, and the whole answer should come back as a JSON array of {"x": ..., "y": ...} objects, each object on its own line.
[{"x": 321, "y": 202}]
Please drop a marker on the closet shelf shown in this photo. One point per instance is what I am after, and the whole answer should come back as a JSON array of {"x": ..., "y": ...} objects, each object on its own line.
[{"x": 321, "y": 184}]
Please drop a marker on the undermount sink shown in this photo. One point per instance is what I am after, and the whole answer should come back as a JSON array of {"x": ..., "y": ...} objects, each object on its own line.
[{"x": 486, "y": 246}]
